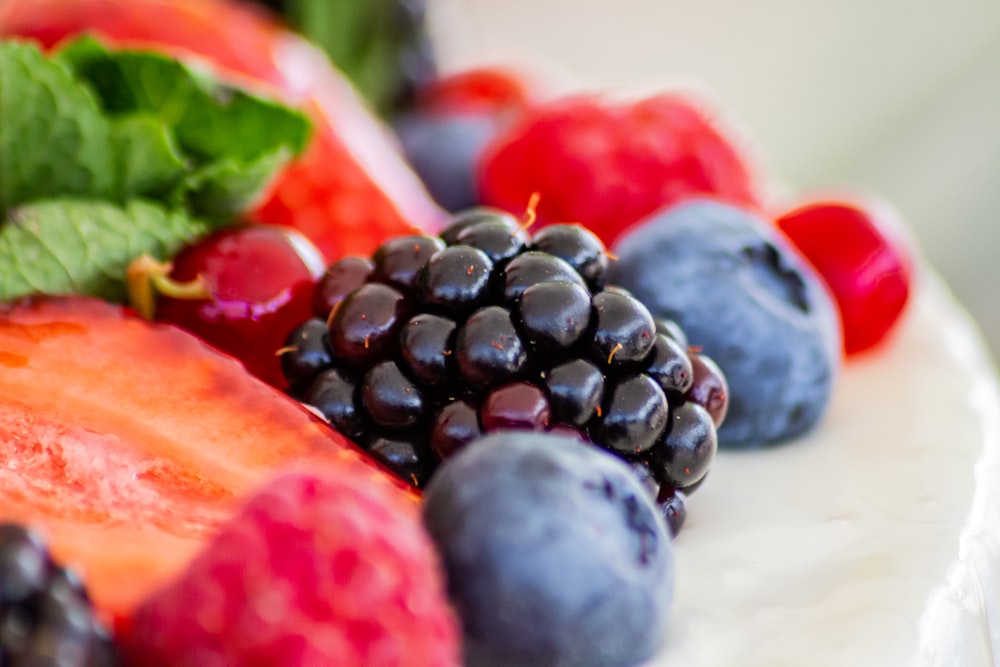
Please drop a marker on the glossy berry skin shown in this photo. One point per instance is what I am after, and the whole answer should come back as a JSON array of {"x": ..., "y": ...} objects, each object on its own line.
[
  {"x": 295, "y": 574},
  {"x": 406, "y": 458},
  {"x": 261, "y": 282},
  {"x": 365, "y": 327},
  {"x": 455, "y": 425},
  {"x": 488, "y": 349},
  {"x": 607, "y": 166},
  {"x": 579, "y": 248},
  {"x": 427, "y": 345},
  {"x": 457, "y": 279},
  {"x": 746, "y": 298},
  {"x": 859, "y": 250},
  {"x": 670, "y": 365},
  {"x": 532, "y": 529},
  {"x": 334, "y": 393},
  {"x": 464, "y": 219},
  {"x": 398, "y": 261},
  {"x": 624, "y": 332},
  {"x": 305, "y": 354},
  {"x": 688, "y": 448},
  {"x": 531, "y": 268},
  {"x": 635, "y": 414},
  {"x": 495, "y": 238},
  {"x": 709, "y": 387},
  {"x": 554, "y": 315},
  {"x": 575, "y": 389},
  {"x": 519, "y": 405},
  {"x": 390, "y": 398},
  {"x": 340, "y": 279}
]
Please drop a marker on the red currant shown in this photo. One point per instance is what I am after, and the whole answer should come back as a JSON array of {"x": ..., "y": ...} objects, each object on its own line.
[
  {"x": 258, "y": 286},
  {"x": 858, "y": 249}
]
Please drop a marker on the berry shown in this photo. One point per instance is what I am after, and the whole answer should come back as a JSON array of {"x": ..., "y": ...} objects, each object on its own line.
[
  {"x": 518, "y": 405},
  {"x": 398, "y": 260},
  {"x": 47, "y": 616},
  {"x": 318, "y": 568},
  {"x": 349, "y": 191},
  {"x": 130, "y": 452},
  {"x": 533, "y": 528},
  {"x": 258, "y": 285},
  {"x": 340, "y": 279},
  {"x": 690, "y": 447},
  {"x": 365, "y": 327},
  {"x": 709, "y": 387},
  {"x": 673, "y": 508},
  {"x": 488, "y": 348},
  {"x": 858, "y": 250},
  {"x": 608, "y": 166},
  {"x": 305, "y": 354},
  {"x": 501, "y": 336},
  {"x": 450, "y": 125},
  {"x": 743, "y": 295}
]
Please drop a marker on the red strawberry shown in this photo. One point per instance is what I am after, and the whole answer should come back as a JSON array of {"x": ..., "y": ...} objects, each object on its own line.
[
  {"x": 127, "y": 443},
  {"x": 349, "y": 192},
  {"x": 860, "y": 250},
  {"x": 607, "y": 165},
  {"x": 318, "y": 569}
]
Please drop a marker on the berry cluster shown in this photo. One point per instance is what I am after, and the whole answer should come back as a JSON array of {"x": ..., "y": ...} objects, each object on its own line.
[
  {"x": 45, "y": 613},
  {"x": 435, "y": 341}
]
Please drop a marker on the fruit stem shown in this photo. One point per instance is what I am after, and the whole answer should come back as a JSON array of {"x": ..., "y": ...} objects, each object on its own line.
[{"x": 147, "y": 277}]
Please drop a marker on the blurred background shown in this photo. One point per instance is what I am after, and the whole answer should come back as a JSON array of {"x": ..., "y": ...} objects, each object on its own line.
[{"x": 896, "y": 97}]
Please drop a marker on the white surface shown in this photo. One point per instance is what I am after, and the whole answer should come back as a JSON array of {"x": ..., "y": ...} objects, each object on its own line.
[{"x": 875, "y": 541}]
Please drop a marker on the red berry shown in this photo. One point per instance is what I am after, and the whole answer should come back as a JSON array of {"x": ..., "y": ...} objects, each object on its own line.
[
  {"x": 608, "y": 166},
  {"x": 480, "y": 89},
  {"x": 859, "y": 250},
  {"x": 318, "y": 569},
  {"x": 260, "y": 281}
]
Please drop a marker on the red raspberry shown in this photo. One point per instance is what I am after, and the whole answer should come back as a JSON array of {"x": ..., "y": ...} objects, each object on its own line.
[
  {"x": 320, "y": 568},
  {"x": 478, "y": 90},
  {"x": 607, "y": 166},
  {"x": 860, "y": 251}
]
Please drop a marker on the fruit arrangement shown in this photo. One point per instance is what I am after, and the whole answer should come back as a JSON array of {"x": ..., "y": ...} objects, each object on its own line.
[{"x": 345, "y": 439}]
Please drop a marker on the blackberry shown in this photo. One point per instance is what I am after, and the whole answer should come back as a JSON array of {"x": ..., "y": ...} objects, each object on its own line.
[
  {"x": 46, "y": 615},
  {"x": 486, "y": 329}
]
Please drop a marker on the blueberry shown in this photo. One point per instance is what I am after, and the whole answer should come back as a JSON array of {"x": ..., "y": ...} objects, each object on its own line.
[
  {"x": 444, "y": 149},
  {"x": 554, "y": 552},
  {"x": 748, "y": 300}
]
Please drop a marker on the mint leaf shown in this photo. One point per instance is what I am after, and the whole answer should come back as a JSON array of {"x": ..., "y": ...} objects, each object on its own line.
[
  {"x": 148, "y": 161},
  {"x": 78, "y": 246},
  {"x": 54, "y": 137},
  {"x": 225, "y": 132}
]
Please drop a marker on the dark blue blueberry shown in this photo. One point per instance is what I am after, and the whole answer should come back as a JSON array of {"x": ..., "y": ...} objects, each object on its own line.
[
  {"x": 443, "y": 149},
  {"x": 554, "y": 553},
  {"x": 747, "y": 299}
]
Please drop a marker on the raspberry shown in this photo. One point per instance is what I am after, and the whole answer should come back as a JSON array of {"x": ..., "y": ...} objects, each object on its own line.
[
  {"x": 47, "y": 616},
  {"x": 857, "y": 249},
  {"x": 608, "y": 166},
  {"x": 487, "y": 329},
  {"x": 319, "y": 568}
]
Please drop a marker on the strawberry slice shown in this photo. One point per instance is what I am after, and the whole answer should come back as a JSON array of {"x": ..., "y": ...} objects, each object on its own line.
[
  {"x": 128, "y": 443},
  {"x": 350, "y": 191}
]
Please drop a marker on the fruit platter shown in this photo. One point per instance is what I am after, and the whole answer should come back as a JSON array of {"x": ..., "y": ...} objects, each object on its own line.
[{"x": 314, "y": 354}]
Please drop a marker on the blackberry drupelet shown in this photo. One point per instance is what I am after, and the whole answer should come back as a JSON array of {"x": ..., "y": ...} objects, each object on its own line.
[
  {"x": 45, "y": 613},
  {"x": 441, "y": 340}
]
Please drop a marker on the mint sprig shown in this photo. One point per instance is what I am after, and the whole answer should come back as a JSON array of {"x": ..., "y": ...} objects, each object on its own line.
[{"x": 106, "y": 155}]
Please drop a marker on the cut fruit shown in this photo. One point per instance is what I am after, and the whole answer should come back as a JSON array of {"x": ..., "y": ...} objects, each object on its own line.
[
  {"x": 350, "y": 191},
  {"x": 127, "y": 443}
]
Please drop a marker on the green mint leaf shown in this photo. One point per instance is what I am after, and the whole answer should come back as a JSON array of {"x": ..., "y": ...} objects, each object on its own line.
[
  {"x": 147, "y": 159},
  {"x": 54, "y": 137},
  {"x": 79, "y": 246},
  {"x": 212, "y": 123},
  {"x": 222, "y": 189}
]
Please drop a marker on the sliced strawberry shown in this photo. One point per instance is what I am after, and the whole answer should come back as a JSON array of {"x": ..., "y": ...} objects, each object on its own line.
[
  {"x": 127, "y": 443},
  {"x": 349, "y": 192}
]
